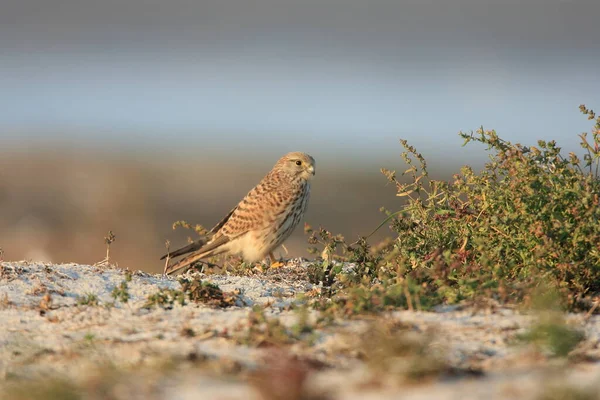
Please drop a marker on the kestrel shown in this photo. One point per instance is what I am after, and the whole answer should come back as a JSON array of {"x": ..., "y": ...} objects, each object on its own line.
[{"x": 263, "y": 220}]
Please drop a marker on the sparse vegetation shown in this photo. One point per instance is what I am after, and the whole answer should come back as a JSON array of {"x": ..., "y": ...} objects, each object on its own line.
[
  {"x": 200, "y": 291},
  {"x": 89, "y": 338},
  {"x": 166, "y": 298},
  {"x": 264, "y": 331},
  {"x": 89, "y": 299},
  {"x": 121, "y": 292},
  {"x": 398, "y": 350},
  {"x": 551, "y": 334},
  {"x": 187, "y": 332},
  {"x": 195, "y": 290}
]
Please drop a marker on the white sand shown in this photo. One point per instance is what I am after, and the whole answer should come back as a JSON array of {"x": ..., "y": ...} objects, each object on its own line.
[{"x": 66, "y": 339}]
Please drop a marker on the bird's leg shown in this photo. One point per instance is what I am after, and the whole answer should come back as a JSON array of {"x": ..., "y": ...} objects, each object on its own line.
[{"x": 274, "y": 263}]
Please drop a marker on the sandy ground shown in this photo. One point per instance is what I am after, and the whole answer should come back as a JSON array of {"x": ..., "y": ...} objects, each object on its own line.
[{"x": 201, "y": 351}]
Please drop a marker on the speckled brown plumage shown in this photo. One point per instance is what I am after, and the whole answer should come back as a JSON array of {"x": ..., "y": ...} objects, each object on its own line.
[{"x": 263, "y": 220}]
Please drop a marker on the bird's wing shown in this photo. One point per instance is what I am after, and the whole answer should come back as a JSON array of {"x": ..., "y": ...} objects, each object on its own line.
[
  {"x": 218, "y": 226},
  {"x": 262, "y": 206}
]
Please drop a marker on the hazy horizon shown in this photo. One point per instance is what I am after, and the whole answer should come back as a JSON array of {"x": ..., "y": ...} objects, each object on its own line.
[{"x": 273, "y": 76}]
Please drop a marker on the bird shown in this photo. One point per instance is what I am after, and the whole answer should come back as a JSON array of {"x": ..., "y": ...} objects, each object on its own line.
[{"x": 261, "y": 221}]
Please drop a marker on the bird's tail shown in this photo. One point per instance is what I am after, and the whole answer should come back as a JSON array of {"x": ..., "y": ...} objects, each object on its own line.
[
  {"x": 185, "y": 263},
  {"x": 212, "y": 248},
  {"x": 197, "y": 245}
]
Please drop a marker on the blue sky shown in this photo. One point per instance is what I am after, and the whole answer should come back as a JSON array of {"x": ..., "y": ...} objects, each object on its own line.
[{"x": 338, "y": 77}]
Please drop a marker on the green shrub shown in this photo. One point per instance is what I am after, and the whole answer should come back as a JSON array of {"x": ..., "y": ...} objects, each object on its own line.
[{"x": 530, "y": 216}]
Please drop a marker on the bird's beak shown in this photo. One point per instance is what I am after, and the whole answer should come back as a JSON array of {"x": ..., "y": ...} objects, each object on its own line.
[{"x": 311, "y": 169}]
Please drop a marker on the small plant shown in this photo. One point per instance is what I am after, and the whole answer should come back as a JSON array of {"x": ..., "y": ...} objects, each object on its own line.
[
  {"x": 325, "y": 238},
  {"x": 165, "y": 298},
  {"x": 551, "y": 334},
  {"x": 322, "y": 273},
  {"x": 393, "y": 348},
  {"x": 367, "y": 281},
  {"x": 121, "y": 292},
  {"x": 199, "y": 229},
  {"x": 187, "y": 332},
  {"x": 89, "y": 299},
  {"x": 89, "y": 337},
  {"x": 199, "y": 291},
  {"x": 195, "y": 290},
  {"x": 1, "y": 254},
  {"x": 264, "y": 331},
  {"x": 365, "y": 297},
  {"x": 108, "y": 240},
  {"x": 303, "y": 328}
]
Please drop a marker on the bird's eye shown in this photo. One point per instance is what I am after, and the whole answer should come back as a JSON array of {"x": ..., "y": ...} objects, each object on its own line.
[{"x": 298, "y": 162}]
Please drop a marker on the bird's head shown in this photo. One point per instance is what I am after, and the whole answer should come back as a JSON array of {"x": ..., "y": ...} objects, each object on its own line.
[{"x": 297, "y": 164}]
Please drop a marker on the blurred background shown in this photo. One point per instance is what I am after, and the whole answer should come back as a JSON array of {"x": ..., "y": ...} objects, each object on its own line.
[{"x": 128, "y": 115}]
